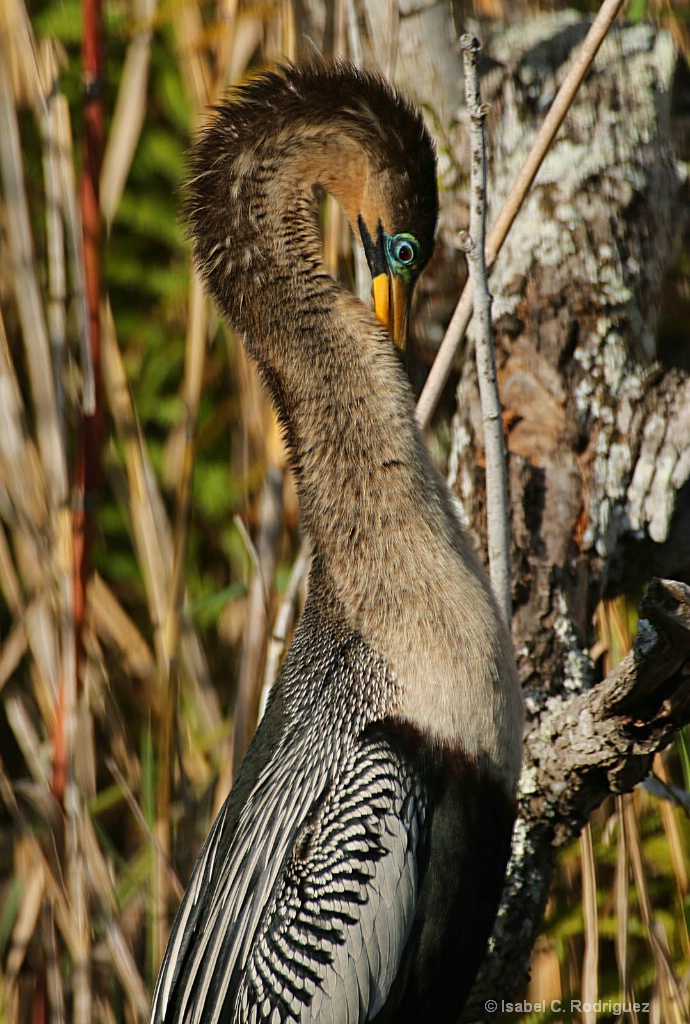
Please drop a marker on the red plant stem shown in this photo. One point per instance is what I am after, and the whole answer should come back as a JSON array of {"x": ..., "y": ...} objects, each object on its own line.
[{"x": 87, "y": 468}]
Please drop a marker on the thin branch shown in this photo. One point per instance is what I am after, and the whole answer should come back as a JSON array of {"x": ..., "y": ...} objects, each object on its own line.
[
  {"x": 559, "y": 108},
  {"x": 498, "y": 517}
]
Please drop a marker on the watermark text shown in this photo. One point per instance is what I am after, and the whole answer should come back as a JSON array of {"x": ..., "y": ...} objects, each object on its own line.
[{"x": 612, "y": 1007}]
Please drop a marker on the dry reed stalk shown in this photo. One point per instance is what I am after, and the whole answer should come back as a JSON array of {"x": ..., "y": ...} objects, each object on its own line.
[
  {"x": 25, "y": 284},
  {"x": 55, "y": 890},
  {"x": 55, "y": 989},
  {"x": 356, "y": 54},
  {"x": 545, "y": 983},
  {"x": 52, "y": 112},
  {"x": 73, "y": 758},
  {"x": 190, "y": 37},
  {"x": 74, "y": 235},
  {"x": 616, "y": 641},
  {"x": 12, "y": 651},
  {"x": 677, "y": 849},
  {"x": 35, "y": 551},
  {"x": 270, "y": 515},
  {"x": 22, "y": 477},
  {"x": 115, "y": 628},
  {"x": 55, "y": 235},
  {"x": 590, "y": 964},
  {"x": 225, "y": 38},
  {"x": 283, "y": 622},
  {"x": 75, "y": 878},
  {"x": 256, "y": 635},
  {"x": 101, "y": 885},
  {"x": 175, "y": 884},
  {"x": 10, "y": 587},
  {"x": 130, "y": 111},
  {"x": 126, "y": 971},
  {"x": 667, "y": 988},
  {"x": 88, "y": 471},
  {"x": 195, "y": 351},
  {"x": 29, "y": 741},
  {"x": 195, "y": 354},
  {"x": 30, "y": 870},
  {"x": 151, "y": 528},
  {"x": 621, "y": 904}
]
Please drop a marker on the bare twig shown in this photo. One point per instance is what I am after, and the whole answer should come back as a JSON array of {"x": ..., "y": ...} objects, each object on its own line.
[
  {"x": 559, "y": 108},
  {"x": 498, "y": 519}
]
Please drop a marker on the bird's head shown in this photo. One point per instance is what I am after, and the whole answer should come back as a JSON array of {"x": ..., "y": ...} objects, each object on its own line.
[
  {"x": 372, "y": 151},
  {"x": 395, "y": 261},
  {"x": 391, "y": 198},
  {"x": 279, "y": 140}
]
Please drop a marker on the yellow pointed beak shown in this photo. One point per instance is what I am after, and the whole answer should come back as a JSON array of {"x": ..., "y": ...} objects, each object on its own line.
[{"x": 392, "y": 304}]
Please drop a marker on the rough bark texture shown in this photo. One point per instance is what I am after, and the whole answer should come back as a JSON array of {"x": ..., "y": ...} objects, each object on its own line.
[
  {"x": 598, "y": 433},
  {"x": 597, "y": 429}
]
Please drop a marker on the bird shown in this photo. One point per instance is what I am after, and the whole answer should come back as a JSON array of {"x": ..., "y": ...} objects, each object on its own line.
[{"x": 354, "y": 872}]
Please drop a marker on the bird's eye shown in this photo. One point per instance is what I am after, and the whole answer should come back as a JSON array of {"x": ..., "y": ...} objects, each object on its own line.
[{"x": 403, "y": 250}]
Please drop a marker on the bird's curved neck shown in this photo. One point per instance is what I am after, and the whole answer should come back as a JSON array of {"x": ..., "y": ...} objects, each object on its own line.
[
  {"x": 389, "y": 548},
  {"x": 328, "y": 362}
]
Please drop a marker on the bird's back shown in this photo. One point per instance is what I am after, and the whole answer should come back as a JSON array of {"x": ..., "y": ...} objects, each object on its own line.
[
  {"x": 315, "y": 890},
  {"x": 296, "y": 897}
]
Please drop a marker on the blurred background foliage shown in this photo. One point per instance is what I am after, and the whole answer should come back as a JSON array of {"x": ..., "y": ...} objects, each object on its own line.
[{"x": 110, "y": 774}]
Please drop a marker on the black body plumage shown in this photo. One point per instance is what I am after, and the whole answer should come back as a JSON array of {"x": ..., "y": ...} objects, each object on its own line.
[{"x": 354, "y": 872}]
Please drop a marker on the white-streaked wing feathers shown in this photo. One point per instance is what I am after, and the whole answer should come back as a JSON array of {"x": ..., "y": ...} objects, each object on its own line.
[
  {"x": 311, "y": 908},
  {"x": 331, "y": 943},
  {"x": 221, "y": 907}
]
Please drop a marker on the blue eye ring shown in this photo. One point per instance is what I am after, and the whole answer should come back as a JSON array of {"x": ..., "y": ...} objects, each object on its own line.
[{"x": 402, "y": 250}]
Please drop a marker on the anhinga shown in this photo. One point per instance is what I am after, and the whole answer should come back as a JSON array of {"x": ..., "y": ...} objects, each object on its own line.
[{"x": 354, "y": 872}]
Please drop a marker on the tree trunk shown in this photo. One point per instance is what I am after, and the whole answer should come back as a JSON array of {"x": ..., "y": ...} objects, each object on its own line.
[{"x": 597, "y": 429}]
